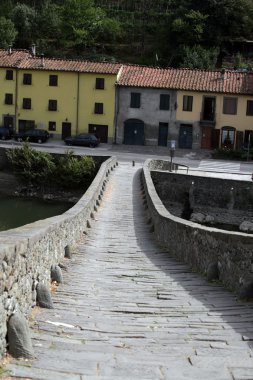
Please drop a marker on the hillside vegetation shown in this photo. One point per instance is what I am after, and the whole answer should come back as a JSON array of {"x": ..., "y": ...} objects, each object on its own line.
[{"x": 189, "y": 33}]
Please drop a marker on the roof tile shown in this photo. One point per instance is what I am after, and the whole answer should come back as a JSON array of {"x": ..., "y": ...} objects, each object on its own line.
[
  {"x": 232, "y": 81},
  {"x": 229, "y": 82}
]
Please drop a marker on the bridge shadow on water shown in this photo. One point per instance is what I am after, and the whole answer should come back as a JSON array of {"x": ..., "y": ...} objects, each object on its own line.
[{"x": 188, "y": 290}]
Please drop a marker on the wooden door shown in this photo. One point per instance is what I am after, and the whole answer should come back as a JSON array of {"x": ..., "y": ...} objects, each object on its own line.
[
  {"x": 239, "y": 139},
  {"x": 215, "y": 138},
  {"x": 100, "y": 131},
  {"x": 206, "y": 137},
  {"x": 66, "y": 130}
]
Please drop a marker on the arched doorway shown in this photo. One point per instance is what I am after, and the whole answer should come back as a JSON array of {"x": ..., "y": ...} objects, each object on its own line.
[{"x": 134, "y": 132}]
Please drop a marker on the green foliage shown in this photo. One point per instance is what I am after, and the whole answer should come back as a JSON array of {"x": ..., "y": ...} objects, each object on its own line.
[
  {"x": 83, "y": 24},
  {"x": 23, "y": 17},
  {"x": 31, "y": 166},
  {"x": 74, "y": 171},
  {"x": 7, "y": 32},
  {"x": 233, "y": 154},
  {"x": 198, "y": 57},
  {"x": 44, "y": 169},
  {"x": 130, "y": 30}
]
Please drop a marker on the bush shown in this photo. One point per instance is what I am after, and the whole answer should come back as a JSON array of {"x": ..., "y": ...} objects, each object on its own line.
[
  {"x": 74, "y": 171},
  {"x": 44, "y": 169},
  {"x": 232, "y": 154},
  {"x": 30, "y": 165}
]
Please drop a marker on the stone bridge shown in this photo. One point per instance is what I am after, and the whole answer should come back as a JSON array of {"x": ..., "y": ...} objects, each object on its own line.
[{"x": 126, "y": 309}]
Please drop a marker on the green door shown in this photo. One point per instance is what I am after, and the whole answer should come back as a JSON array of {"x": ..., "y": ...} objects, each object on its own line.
[
  {"x": 163, "y": 134},
  {"x": 185, "y": 136},
  {"x": 134, "y": 132}
]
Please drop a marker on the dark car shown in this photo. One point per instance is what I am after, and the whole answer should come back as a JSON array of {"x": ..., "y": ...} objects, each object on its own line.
[
  {"x": 84, "y": 139},
  {"x": 33, "y": 135},
  {"x": 5, "y": 133}
]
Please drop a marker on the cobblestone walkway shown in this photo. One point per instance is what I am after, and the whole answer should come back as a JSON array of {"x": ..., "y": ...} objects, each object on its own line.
[{"x": 129, "y": 311}]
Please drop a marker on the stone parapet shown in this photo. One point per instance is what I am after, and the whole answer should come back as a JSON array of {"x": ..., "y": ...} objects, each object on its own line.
[
  {"x": 27, "y": 253},
  {"x": 220, "y": 255}
]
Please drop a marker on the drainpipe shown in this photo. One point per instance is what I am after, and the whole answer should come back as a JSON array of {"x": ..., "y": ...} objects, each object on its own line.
[
  {"x": 116, "y": 111},
  {"x": 77, "y": 103},
  {"x": 16, "y": 101}
]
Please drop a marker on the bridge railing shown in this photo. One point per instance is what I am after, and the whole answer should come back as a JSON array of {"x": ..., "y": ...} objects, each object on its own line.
[
  {"x": 27, "y": 253},
  {"x": 221, "y": 255}
]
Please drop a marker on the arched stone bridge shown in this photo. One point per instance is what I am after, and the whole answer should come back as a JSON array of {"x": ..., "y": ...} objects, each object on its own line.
[{"x": 128, "y": 310}]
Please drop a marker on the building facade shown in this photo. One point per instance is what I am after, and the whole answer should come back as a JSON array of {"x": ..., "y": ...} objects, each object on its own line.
[
  {"x": 126, "y": 104},
  {"x": 208, "y": 109},
  {"x": 64, "y": 97}
]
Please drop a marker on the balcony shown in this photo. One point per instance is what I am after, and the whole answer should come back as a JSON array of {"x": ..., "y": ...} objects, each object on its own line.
[{"x": 208, "y": 119}]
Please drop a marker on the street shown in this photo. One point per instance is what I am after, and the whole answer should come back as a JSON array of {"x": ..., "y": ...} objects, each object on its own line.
[{"x": 200, "y": 159}]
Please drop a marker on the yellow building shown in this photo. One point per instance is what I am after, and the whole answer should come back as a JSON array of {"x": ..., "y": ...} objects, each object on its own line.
[
  {"x": 65, "y": 97},
  {"x": 218, "y": 111}
]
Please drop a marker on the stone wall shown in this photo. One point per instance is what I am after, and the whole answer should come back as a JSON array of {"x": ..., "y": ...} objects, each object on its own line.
[
  {"x": 149, "y": 112},
  {"x": 206, "y": 191},
  {"x": 218, "y": 254},
  {"x": 28, "y": 252}
]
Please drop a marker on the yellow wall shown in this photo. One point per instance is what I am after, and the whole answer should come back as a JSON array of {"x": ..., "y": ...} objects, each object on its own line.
[
  {"x": 89, "y": 95},
  {"x": 239, "y": 121},
  {"x": 7, "y": 87},
  {"x": 40, "y": 92},
  {"x": 76, "y": 96}
]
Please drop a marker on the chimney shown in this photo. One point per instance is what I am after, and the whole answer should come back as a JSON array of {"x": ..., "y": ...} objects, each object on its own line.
[
  {"x": 222, "y": 74},
  {"x": 10, "y": 49},
  {"x": 33, "y": 50},
  {"x": 42, "y": 60}
]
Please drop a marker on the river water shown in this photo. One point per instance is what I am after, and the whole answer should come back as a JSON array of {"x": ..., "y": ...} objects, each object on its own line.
[{"x": 15, "y": 212}]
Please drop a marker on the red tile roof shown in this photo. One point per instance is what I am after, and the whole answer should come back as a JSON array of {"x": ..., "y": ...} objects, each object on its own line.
[
  {"x": 232, "y": 82},
  {"x": 13, "y": 58},
  {"x": 53, "y": 64},
  {"x": 22, "y": 59}
]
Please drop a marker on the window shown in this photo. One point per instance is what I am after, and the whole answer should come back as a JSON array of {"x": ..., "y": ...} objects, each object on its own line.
[
  {"x": 164, "y": 102},
  {"x": 52, "y": 126},
  {"x": 100, "y": 83},
  {"x": 227, "y": 137},
  {"x": 8, "y": 98},
  {"x": 27, "y": 103},
  {"x": 99, "y": 108},
  {"x": 27, "y": 79},
  {"x": 9, "y": 75},
  {"x": 135, "y": 101},
  {"x": 187, "y": 103},
  {"x": 52, "y": 105},
  {"x": 230, "y": 106},
  {"x": 53, "y": 80},
  {"x": 249, "y": 111}
]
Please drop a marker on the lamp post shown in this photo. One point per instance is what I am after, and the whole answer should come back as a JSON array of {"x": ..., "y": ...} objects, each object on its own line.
[{"x": 172, "y": 153}]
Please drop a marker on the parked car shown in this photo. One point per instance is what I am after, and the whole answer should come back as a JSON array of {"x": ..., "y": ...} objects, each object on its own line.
[
  {"x": 84, "y": 139},
  {"x": 33, "y": 135},
  {"x": 5, "y": 133}
]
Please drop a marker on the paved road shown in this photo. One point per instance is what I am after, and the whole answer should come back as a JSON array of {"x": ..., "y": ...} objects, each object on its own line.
[
  {"x": 128, "y": 311},
  {"x": 128, "y": 153}
]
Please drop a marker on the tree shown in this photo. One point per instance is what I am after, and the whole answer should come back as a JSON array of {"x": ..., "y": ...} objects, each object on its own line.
[
  {"x": 198, "y": 57},
  {"x": 7, "y": 33},
  {"x": 23, "y": 17},
  {"x": 48, "y": 27},
  {"x": 83, "y": 24}
]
